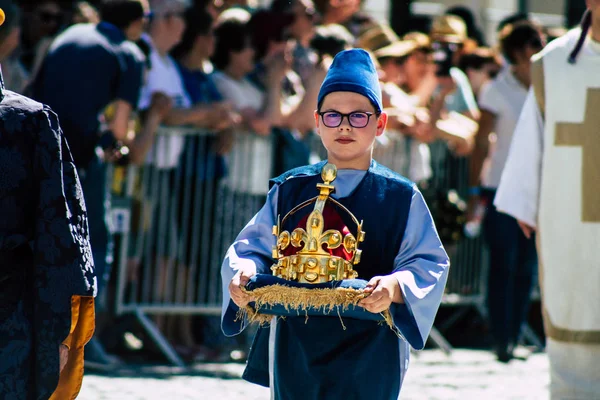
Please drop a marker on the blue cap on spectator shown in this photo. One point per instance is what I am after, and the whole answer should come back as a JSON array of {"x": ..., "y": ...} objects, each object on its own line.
[{"x": 353, "y": 71}]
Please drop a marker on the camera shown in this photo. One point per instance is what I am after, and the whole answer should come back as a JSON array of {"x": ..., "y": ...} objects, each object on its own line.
[
  {"x": 443, "y": 56},
  {"x": 113, "y": 149}
]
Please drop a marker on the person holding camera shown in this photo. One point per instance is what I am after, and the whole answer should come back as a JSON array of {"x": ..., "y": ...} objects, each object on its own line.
[
  {"x": 402, "y": 146},
  {"x": 453, "y": 93},
  {"x": 453, "y": 123}
]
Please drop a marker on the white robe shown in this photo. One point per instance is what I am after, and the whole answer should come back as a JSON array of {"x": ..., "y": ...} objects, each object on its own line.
[{"x": 543, "y": 185}]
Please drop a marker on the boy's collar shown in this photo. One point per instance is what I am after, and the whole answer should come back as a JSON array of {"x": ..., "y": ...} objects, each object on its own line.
[{"x": 370, "y": 169}]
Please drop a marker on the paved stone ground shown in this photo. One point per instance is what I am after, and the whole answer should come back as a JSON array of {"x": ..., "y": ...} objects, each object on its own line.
[{"x": 466, "y": 374}]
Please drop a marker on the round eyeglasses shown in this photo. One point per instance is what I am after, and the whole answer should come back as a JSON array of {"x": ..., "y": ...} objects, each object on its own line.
[{"x": 357, "y": 119}]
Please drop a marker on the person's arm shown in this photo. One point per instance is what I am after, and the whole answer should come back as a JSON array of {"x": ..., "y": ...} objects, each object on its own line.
[
  {"x": 438, "y": 105},
  {"x": 415, "y": 287},
  {"x": 271, "y": 112},
  {"x": 250, "y": 253},
  {"x": 196, "y": 115},
  {"x": 478, "y": 156},
  {"x": 482, "y": 145},
  {"x": 301, "y": 118},
  {"x": 400, "y": 108},
  {"x": 129, "y": 88},
  {"x": 426, "y": 89},
  {"x": 249, "y": 118},
  {"x": 490, "y": 102},
  {"x": 467, "y": 105},
  {"x": 119, "y": 124},
  {"x": 144, "y": 139},
  {"x": 519, "y": 189}
]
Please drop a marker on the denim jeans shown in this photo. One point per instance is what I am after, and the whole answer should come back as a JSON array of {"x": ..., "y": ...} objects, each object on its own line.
[{"x": 513, "y": 269}]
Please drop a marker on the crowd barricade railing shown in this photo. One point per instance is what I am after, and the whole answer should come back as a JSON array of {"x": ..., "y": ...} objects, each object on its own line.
[{"x": 174, "y": 218}]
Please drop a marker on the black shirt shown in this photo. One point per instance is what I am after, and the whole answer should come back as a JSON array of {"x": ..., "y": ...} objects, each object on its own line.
[{"x": 87, "y": 68}]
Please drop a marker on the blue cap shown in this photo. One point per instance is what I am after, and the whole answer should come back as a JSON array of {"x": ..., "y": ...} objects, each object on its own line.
[{"x": 353, "y": 71}]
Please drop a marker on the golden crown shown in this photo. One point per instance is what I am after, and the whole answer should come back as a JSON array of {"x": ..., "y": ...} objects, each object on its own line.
[{"x": 312, "y": 263}]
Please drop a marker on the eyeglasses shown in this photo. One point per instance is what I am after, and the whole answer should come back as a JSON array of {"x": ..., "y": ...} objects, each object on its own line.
[{"x": 356, "y": 119}]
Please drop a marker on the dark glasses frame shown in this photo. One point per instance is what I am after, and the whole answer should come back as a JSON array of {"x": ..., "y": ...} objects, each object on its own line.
[{"x": 347, "y": 116}]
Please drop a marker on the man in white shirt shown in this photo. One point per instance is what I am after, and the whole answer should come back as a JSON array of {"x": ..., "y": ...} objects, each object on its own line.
[{"x": 512, "y": 256}]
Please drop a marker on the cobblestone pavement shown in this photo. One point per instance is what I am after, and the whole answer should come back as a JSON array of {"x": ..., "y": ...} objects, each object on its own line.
[{"x": 466, "y": 374}]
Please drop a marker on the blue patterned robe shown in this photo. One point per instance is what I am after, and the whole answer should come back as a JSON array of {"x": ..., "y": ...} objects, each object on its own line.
[{"x": 45, "y": 256}]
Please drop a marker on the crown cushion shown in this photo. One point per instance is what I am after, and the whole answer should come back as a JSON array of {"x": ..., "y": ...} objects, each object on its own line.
[{"x": 280, "y": 297}]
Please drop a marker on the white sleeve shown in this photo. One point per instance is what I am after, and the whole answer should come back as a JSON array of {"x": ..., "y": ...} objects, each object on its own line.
[
  {"x": 489, "y": 99},
  {"x": 519, "y": 190}
]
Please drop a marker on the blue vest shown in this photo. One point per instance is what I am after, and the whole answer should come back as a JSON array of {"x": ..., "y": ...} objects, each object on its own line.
[{"x": 317, "y": 359}]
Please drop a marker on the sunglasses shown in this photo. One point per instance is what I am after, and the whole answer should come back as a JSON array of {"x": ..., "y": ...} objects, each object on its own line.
[{"x": 356, "y": 119}]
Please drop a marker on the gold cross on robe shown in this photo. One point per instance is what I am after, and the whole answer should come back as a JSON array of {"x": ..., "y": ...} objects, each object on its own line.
[{"x": 586, "y": 135}]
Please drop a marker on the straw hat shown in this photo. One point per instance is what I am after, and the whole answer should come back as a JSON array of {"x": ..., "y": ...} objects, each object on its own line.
[
  {"x": 422, "y": 40},
  {"x": 448, "y": 28},
  {"x": 382, "y": 41}
]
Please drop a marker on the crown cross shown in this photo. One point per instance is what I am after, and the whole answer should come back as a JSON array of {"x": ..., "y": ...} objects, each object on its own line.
[{"x": 312, "y": 263}]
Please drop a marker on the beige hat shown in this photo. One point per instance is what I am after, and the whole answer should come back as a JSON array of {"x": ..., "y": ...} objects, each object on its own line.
[
  {"x": 382, "y": 41},
  {"x": 448, "y": 28},
  {"x": 422, "y": 40}
]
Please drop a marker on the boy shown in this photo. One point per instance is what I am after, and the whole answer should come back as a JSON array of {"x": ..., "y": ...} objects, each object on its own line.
[{"x": 402, "y": 257}]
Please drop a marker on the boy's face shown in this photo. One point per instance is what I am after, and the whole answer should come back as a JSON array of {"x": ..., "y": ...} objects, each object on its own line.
[{"x": 347, "y": 146}]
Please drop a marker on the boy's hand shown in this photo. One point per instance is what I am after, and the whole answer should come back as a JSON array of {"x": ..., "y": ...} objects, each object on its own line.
[
  {"x": 383, "y": 291},
  {"x": 240, "y": 280}
]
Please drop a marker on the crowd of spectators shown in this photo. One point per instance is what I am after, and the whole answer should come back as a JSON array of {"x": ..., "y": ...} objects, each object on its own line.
[{"x": 115, "y": 70}]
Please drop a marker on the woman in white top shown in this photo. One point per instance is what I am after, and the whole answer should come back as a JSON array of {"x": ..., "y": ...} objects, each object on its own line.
[
  {"x": 513, "y": 258},
  {"x": 234, "y": 58},
  {"x": 249, "y": 163}
]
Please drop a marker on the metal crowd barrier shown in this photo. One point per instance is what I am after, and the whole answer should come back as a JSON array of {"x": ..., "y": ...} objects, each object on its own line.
[{"x": 176, "y": 216}]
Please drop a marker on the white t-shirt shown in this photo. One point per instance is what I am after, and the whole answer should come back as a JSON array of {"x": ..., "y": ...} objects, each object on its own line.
[
  {"x": 504, "y": 97},
  {"x": 250, "y": 161},
  {"x": 164, "y": 77}
]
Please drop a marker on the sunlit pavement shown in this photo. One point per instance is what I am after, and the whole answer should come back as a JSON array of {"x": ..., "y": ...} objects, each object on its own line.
[{"x": 465, "y": 374}]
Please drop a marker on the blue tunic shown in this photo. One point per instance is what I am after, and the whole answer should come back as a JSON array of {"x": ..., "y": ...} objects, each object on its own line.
[
  {"x": 45, "y": 255},
  {"x": 320, "y": 359}
]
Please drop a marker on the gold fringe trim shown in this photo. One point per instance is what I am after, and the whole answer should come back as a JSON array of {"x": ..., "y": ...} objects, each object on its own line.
[{"x": 302, "y": 299}]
